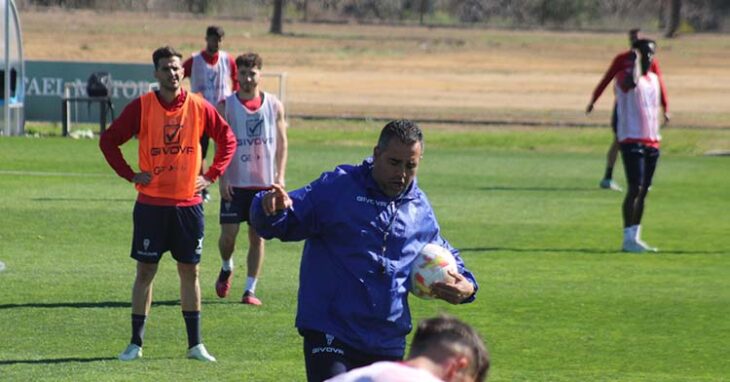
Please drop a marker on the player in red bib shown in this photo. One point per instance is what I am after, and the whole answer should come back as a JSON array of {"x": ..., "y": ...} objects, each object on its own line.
[
  {"x": 623, "y": 63},
  {"x": 168, "y": 214}
]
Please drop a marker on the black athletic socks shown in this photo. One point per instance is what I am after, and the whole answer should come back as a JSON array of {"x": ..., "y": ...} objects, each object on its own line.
[
  {"x": 138, "y": 321},
  {"x": 192, "y": 324},
  {"x": 609, "y": 173}
]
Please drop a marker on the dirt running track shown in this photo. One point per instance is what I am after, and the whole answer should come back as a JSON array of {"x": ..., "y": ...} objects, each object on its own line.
[{"x": 452, "y": 74}]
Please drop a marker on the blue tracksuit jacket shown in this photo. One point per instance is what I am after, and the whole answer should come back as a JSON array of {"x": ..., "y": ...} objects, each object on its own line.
[{"x": 354, "y": 274}]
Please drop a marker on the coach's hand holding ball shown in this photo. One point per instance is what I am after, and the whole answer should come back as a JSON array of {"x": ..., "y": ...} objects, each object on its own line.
[
  {"x": 454, "y": 290},
  {"x": 275, "y": 200}
]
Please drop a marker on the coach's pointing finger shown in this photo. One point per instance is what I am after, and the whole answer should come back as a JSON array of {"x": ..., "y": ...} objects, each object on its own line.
[{"x": 276, "y": 200}]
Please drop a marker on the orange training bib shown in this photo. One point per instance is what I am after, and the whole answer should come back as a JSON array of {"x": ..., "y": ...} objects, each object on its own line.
[{"x": 169, "y": 146}]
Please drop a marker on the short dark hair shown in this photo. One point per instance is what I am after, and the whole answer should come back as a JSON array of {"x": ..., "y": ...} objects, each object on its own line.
[
  {"x": 249, "y": 60},
  {"x": 644, "y": 44},
  {"x": 215, "y": 30},
  {"x": 405, "y": 130},
  {"x": 444, "y": 336},
  {"x": 164, "y": 52}
]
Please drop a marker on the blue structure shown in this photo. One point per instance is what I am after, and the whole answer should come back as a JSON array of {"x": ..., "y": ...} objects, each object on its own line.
[{"x": 12, "y": 72}]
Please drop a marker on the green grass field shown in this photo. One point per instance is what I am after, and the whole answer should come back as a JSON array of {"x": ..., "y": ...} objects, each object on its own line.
[{"x": 558, "y": 301}]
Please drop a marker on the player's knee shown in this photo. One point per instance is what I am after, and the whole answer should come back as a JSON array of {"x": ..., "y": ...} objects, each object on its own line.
[
  {"x": 146, "y": 273},
  {"x": 256, "y": 241},
  {"x": 187, "y": 271},
  {"x": 634, "y": 189}
]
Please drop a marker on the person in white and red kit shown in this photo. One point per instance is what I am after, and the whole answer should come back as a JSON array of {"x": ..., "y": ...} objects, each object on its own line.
[
  {"x": 638, "y": 95},
  {"x": 623, "y": 62}
]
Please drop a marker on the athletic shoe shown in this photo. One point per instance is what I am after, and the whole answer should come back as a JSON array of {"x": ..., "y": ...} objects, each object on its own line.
[
  {"x": 609, "y": 184},
  {"x": 223, "y": 284},
  {"x": 198, "y": 352},
  {"x": 636, "y": 246},
  {"x": 131, "y": 353},
  {"x": 250, "y": 299},
  {"x": 647, "y": 246}
]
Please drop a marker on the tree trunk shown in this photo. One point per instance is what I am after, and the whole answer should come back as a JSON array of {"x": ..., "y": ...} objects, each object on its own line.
[
  {"x": 422, "y": 10},
  {"x": 276, "y": 19},
  {"x": 662, "y": 14},
  {"x": 675, "y": 6}
]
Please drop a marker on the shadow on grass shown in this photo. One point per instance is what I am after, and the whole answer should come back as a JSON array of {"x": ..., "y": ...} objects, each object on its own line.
[
  {"x": 589, "y": 250},
  {"x": 100, "y": 304},
  {"x": 83, "y": 199},
  {"x": 540, "y": 189},
  {"x": 54, "y": 360},
  {"x": 536, "y": 250}
]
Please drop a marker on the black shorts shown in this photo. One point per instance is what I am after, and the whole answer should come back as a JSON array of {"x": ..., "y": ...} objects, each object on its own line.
[
  {"x": 639, "y": 162},
  {"x": 204, "y": 141},
  {"x": 326, "y": 356},
  {"x": 158, "y": 229},
  {"x": 236, "y": 211}
]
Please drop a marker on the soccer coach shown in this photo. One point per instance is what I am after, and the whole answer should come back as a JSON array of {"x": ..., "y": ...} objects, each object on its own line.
[{"x": 364, "y": 225}]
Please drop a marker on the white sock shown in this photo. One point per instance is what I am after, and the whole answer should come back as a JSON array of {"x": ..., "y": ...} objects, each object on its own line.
[
  {"x": 251, "y": 284},
  {"x": 629, "y": 233},
  {"x": 637, "y": 232},
  {"x": 227, "y": 265}
]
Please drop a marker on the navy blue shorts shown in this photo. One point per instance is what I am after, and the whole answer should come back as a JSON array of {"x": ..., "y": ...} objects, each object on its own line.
[
  {"x": 326, "y": 356},
  {"x": 640, "y": 163},
  {"x": 236, "y": 211},
  {"x": 158, "y": 229}
]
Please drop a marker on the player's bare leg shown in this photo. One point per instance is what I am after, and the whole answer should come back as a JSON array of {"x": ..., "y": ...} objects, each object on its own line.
[
  {"x": 611, "y": 156},
  {"x": 226, "y": 247},
  {"x": 254, "y": 263},
  {"x": 141, "y": 302}
]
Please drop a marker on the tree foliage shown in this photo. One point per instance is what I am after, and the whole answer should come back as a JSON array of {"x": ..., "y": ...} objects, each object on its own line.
[{"x": 703, "y": 15}]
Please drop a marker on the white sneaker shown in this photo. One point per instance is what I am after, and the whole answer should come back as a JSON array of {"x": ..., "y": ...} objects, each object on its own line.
[
  {"x": 131, "y": 353},
  {"x": 198, "y": 352},
  {"x": 647, "y": 246},
  {"x": 609, "y": 184},
  {"x": 636, "y": 246}
]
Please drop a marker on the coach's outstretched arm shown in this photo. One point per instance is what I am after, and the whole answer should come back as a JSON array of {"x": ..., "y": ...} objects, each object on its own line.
[{"x": 272, "y": 215}]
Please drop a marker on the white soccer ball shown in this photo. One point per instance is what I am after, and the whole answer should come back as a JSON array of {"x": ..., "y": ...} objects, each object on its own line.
[{"x": 431, "y": 265}]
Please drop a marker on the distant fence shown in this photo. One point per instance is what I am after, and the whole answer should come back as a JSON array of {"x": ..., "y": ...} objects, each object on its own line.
[{"x": 45, "y": 82}]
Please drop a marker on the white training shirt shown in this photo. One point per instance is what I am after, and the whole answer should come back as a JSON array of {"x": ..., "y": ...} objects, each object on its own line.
[
  {"x": 386, "y": 372},
  {"x": 211, "y": 80},
  {"x": 637, "y": 111},
  {"x": 254, "y": 163}
]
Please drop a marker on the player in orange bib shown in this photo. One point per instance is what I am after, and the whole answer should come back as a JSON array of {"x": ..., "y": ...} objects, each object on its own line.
[{"x": 168, "y": 214}]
